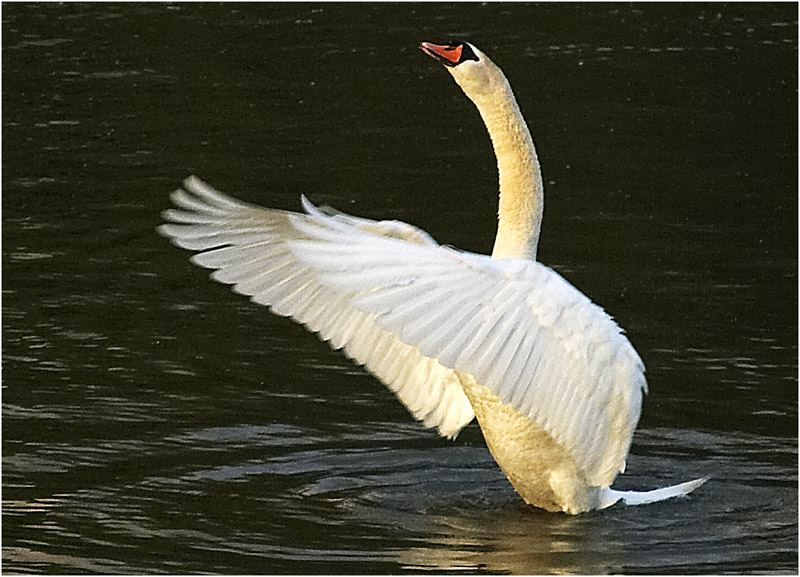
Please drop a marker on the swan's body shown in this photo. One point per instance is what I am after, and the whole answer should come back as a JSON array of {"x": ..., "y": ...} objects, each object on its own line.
[{"x": 556, "y": 387}]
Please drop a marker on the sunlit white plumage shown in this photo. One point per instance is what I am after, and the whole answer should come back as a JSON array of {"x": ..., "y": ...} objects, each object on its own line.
[
  {"x": 555, "y": 385},
  {"x": 514, "y": 324},
  {"x": 251, "y": 252}
]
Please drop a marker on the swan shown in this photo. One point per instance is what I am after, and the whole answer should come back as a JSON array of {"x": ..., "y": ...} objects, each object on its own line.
[{"x": 555, "y": 385}]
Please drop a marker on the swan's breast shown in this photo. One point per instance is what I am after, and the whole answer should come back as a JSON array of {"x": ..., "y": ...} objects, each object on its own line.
[{"x": 541, "y": 471}]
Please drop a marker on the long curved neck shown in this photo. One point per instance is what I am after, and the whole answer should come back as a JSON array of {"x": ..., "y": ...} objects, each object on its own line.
[{"x": 521, "y": 188}]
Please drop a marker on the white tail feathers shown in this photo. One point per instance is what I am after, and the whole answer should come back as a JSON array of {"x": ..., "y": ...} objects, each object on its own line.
[{"x": 644, "y": 497}]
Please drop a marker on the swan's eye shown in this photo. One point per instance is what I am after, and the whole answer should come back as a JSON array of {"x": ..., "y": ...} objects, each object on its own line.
[{"x": 467, "y": 53}]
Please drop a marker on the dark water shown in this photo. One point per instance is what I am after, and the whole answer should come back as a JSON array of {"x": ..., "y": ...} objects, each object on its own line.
[{"x": 155, "y": 422}]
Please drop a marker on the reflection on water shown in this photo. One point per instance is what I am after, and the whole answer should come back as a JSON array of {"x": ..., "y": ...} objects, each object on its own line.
[
  {"x": 400, "y": 499},
  {"x": 155, "y": 422}
]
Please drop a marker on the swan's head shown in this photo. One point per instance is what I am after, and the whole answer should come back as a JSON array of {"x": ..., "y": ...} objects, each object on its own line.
[{"x": 471, "y": 68}]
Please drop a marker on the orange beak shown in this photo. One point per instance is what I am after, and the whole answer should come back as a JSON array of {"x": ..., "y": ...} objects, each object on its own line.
[{"x": 447, "y": 55}]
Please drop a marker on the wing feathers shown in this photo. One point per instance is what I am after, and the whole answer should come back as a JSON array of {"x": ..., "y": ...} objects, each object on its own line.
[
  {"x": 524, "y": 333},
  {"x": 249, "y": 248},
  {"x": 415, "y": 312}
]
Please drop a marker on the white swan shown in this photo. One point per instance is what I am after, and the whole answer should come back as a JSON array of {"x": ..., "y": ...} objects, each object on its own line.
[{"x": 556, "y": 387}]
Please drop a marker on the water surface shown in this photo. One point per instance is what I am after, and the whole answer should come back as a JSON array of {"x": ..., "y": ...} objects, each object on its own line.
[{"x": 155, "y": 422}]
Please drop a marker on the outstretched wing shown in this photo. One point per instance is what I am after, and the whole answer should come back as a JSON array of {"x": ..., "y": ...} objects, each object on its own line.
[
  {"x": 249, "y": 248},
  {"x": 522, "y": 330}
]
